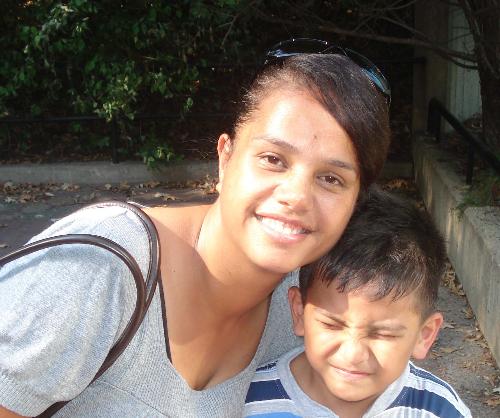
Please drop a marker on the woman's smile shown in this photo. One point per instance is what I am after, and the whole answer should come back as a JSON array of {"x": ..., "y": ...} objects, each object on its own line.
[{"x": 282, "y": 229}]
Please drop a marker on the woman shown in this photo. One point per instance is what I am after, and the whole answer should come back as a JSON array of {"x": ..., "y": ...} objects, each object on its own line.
[{"x": 311, "y": 135}]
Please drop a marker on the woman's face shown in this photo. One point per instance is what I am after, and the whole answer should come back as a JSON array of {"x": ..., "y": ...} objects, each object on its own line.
[{"x": 288, "y": 184}]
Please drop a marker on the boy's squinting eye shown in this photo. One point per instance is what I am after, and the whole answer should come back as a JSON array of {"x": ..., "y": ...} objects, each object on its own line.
[
  {"x": 332, "y": 325},
  {"x": 384, "y": 336}
]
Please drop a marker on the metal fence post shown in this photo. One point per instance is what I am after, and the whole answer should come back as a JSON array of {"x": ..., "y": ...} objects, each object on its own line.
[{"x": 114, "y": 141}]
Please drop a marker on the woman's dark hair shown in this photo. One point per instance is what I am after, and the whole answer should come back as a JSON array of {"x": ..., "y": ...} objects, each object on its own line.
[
  {"x": 339, "y": 85},
  {"x": 389, "y": 247}
]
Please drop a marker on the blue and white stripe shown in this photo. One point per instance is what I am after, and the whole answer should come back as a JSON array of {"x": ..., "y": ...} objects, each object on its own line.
[{"x": 274, "y": 393}]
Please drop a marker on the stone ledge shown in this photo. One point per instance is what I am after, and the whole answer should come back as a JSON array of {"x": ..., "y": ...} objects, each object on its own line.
[
  {"x": 473, "y": 239},
  {"x": 102, "y": 172}
]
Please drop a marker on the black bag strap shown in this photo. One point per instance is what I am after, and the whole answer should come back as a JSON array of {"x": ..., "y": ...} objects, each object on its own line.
[{"x": 145, "y": 288}]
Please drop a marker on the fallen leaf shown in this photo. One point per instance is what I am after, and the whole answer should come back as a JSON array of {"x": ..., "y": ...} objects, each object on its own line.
[
  {"x": 496, "y": 390},
  {"x": 124, "y": 186},
  {"x": 152, "y": 184},
  {"x": 449, "y": 350},
  {"x": 468, "y": 364},
  {"x": 49, "y": 194},
  {"x": 493, "y": 401},
  {"x": 434, "y": 354},
  {"x": 168, "y": 197},
  {"x": 474, "y": 336},
  {"x": 469, "y": 314}
]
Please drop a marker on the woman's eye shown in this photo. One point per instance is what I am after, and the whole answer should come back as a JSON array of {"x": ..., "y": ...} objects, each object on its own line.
[
  {"x": 331, "y": 180},
  {"x": 272, "y": 160}
]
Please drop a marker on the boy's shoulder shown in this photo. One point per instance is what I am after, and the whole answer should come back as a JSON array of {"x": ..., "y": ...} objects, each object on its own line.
[
  {"x": 421, "y": 392},
  {"x": 266, "y": 384},
  {"x": 267, "y": 395}
]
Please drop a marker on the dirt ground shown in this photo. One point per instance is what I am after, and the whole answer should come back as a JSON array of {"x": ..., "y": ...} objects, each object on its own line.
[{"x": 460, "y": 355}]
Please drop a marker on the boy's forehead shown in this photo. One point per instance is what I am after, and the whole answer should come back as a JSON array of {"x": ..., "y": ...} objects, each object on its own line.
[{"x": 365, "y": 297}]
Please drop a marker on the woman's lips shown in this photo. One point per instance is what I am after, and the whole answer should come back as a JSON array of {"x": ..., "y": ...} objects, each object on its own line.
[{"x": 283, "y": 229}]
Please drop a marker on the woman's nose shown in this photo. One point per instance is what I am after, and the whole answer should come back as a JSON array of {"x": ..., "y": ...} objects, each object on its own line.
[{"x": 295, "y": 191}]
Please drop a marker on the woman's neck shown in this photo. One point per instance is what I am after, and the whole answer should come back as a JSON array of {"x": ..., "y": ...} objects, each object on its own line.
[{"x": 233, "y": 284}]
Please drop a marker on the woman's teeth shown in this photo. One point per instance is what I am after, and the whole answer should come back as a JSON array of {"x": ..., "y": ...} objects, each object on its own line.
[{"x": 281, "y": 227}]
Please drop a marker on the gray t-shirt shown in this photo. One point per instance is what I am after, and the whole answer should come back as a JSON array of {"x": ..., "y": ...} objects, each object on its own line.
[{"x": 62, "y": 309}]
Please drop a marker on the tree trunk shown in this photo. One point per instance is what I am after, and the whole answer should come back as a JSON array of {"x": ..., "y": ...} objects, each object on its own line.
[
  {"x": 490, "y": 97},
  {"x": 484, "y": 22}
]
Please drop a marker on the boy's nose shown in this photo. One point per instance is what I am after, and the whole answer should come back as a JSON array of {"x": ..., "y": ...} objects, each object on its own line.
[
  {"x": 353, "y": 350},
  {"x": 295, "y": 192}
]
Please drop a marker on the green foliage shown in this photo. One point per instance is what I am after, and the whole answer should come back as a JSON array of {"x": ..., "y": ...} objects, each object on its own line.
[
  {"x": 114, "y": 59},
  {"x": 154, "y": 153},
  {"x": 485, "y": 191}
]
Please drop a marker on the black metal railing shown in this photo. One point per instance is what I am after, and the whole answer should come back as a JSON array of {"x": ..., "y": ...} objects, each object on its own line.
[
  {"x": 436, "y": 111},
  {"x": 93, "y": 118}
]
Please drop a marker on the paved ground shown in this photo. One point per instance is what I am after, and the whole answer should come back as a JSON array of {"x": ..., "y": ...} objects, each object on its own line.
[{"x": 460, "y": 355}]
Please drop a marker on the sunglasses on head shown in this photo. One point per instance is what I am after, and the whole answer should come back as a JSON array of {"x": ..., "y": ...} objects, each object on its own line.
[{"x": 296, "y": 46}]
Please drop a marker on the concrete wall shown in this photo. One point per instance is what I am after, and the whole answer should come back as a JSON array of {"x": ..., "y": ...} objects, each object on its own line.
[
  {"x": 473, "y": 240},
  {"x": 457, "y": 88}
]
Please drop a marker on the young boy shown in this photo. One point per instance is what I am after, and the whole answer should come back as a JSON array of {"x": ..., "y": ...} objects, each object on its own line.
[{"x": 364, "y": 309}]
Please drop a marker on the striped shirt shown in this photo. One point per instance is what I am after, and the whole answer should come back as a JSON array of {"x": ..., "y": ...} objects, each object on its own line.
[{"x": 274, "y": 393}]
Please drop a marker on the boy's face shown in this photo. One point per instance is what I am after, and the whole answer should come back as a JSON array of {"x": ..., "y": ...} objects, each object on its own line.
[{"x": 355, "y": 346}]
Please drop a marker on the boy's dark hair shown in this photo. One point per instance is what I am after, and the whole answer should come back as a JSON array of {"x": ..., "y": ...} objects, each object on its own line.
[
  {"x": 388, "y": 244},
  {"x": 345, "y": 92}
]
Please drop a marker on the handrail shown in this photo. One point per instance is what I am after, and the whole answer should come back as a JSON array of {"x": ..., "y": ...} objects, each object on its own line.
[
  {"x": 436, "y": 111},
  {"x": 94, "y": 118}
]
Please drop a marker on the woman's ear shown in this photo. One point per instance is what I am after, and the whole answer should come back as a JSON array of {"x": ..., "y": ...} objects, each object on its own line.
[
  {"x": 427, "y": 335},
  {"x": 224, "y": 147},
  {"x": 297, "y": 309}
]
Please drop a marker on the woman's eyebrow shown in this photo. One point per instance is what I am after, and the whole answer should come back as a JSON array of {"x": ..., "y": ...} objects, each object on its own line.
[{"x": 290, "y": 147}]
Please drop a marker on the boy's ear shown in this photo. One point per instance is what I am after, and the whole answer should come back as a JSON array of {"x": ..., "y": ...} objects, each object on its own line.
[
  {"x": 427, "y": 335},
  {"x": 224, "y": 147},
  {"x": 297, "y": 309}
]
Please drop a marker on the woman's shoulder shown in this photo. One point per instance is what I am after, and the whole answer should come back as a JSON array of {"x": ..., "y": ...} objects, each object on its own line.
[
  {"x": 62, "y": 308},
  {"x": 279, "y": 336},
  {"x": 103, "y": 219}
]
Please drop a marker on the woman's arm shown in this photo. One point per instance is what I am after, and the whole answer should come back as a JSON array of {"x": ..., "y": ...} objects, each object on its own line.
[{"x": 5, "y": 413}]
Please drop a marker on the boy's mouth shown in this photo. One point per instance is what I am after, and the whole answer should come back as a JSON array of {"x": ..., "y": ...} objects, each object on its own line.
[{"x": 350, "y": 374}]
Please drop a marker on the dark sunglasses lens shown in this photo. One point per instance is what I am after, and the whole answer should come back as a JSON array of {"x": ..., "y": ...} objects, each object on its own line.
[
  {"x": 279, "y": 52},
  {"x": 371, "y": 70},
  {"x": 297, "y": 46}
]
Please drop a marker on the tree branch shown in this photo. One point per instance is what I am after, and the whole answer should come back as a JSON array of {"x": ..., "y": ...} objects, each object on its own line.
[
  {"x": 447, "y": 53},
  {"x": 481, "y": 53}
]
